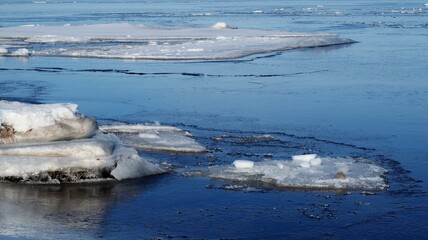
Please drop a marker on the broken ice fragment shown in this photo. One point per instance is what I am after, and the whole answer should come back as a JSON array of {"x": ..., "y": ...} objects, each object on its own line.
[{"x": 243, "y": 164}]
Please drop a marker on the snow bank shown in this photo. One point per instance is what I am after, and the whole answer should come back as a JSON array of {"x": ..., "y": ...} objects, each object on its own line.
[
  {"x": 134, "y": 41},
  {"x": 325, "y": 173},
  {"x": 155, "y": 137},
  {"x": 22, "y": 122},
  {"x": 31, "y": 150}
]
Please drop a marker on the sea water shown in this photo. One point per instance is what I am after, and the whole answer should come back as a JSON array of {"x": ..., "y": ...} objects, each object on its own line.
[{"x": 365, "y": 101}]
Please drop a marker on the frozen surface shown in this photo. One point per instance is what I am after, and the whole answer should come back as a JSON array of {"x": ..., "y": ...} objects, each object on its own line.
[
  {"x": 327, "y": 173},
  {"x": 46, "y": 159},
  {"x": 122, "y": 40},
  {"x": 155, "y": 137}
]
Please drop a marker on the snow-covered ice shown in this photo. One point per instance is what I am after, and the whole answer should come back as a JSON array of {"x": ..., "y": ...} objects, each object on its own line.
[
  {"x": 326, "y": 173},
  {"x": 123, "y": 40},
  {"x": 155, "y": 137},
  {"x": 23, "y": 122},
  {"x": 33, "y": 146}
]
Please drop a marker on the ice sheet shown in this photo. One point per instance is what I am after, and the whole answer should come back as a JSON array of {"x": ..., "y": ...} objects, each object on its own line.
[
  {"x": 122, "y": 40},
  {"x": 155, "y": 137},
  {"x": 330, "y": 173}
]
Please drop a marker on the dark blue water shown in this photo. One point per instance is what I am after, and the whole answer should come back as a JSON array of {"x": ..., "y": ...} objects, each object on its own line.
[{"x": 367, "y": 99}]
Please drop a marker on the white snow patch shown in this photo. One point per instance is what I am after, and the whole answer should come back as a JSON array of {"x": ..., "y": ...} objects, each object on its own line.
[
  {"x": 325, "y": 174},
  {"x": 155, "y": 137}
]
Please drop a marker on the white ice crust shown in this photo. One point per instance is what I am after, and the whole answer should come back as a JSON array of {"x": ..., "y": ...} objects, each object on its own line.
[
  {"x": 325, "y": 173},
  {"x": 32, "y": 144},
  {"x": 155, "y": 137},
  {"x": 24, "y": 116},
  {"x": 161, "y": 43}
]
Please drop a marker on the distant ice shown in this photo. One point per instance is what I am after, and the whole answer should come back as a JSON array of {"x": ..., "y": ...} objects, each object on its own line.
[
  {"x": 53, "y": 143},
  {"x": 325, "y": 173},
  {"x": 122, "y": 40},
  {"x": 155, "y": 137}
]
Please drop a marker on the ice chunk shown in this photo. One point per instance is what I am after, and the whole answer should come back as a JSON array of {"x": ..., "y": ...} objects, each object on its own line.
[
  {"x": 3, "y": 51},
  {"x": 30, "y": 149},
  {"x": 88, "y": 158},
  {"x": 242, "y": 164},
  {"x": 222, "y": 25},
  {"x": 24, "y": 122},
  {"x": 135, "y": 41},
  {"x": 333, "y": 173},
  {"x": 155, "y": 137},
  {"x": 306, "y": 157},
  {"x": 307, "y": 160},
  {"x": 21, "y": 52}
]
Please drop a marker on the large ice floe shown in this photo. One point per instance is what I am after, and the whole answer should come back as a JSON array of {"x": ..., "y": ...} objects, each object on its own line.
[
  {"x": 53, "y": 143},
  {"x": 305, "y": 172},
  {"x": 123, "y": 40}
]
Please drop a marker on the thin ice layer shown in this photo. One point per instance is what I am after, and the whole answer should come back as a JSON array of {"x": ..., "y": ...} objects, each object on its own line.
[
  {"x": 122, "y": 40},
  {"x": 82, "y": 159},
  {"x": 155, "y": 137},
  {"x": 327, "y": 173}
]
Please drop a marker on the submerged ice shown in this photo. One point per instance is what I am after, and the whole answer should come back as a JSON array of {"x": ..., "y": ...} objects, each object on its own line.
[
  {"x": 305, "y": 171},
  {"x": 122, "y": 40},
  {"x": 53, "y": 143}
]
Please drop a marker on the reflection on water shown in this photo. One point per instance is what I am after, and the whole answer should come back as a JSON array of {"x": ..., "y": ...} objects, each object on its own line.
[{"x": 46, "y": 210}]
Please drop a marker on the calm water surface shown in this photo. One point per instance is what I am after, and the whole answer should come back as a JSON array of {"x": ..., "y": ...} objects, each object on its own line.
[{"x": 367, "y": 99}]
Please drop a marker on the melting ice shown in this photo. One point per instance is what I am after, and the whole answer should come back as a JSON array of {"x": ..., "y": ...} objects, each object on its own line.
[
  {"x": 305, "y": 171},
  {"x": 122, "y": 40}
]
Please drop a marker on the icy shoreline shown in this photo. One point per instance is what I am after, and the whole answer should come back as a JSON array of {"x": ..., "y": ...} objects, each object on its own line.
[{"x": 126, "y": 41}]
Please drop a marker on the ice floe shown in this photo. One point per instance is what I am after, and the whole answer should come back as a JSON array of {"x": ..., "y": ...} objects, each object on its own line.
[
  {"x": 122, "y": 40},
  {"x": 318, "y": 173},
  {"x": 53, "y": 143},
  {"x": 155, "y": 137}
]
